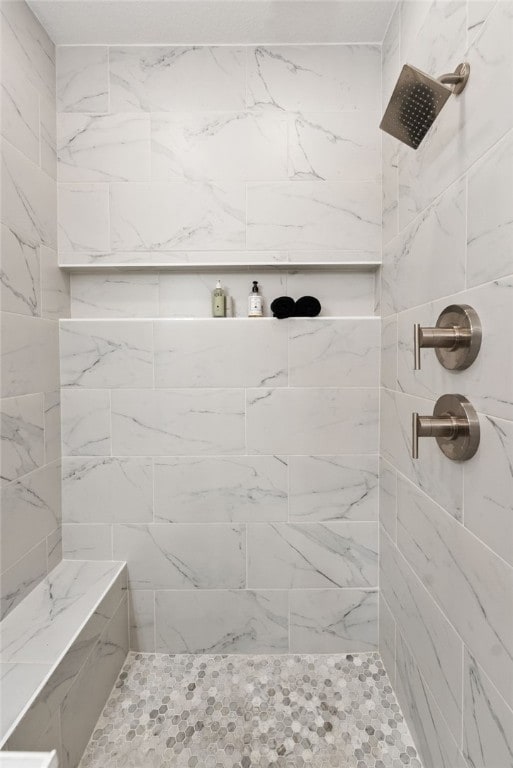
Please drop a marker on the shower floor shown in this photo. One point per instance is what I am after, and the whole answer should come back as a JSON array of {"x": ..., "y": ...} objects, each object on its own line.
[{"x": 247, "y": 711}]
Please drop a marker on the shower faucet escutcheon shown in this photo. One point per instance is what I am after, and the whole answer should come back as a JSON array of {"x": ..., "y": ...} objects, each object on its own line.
[
  {"x": 454, "y": 424},
  {"x": 456, "y": 338}
]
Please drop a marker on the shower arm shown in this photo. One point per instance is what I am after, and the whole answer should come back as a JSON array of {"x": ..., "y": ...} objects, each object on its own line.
[{"x": 457, "y": 79}]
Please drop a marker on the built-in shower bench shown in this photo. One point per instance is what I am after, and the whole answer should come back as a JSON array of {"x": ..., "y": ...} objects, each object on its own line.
[{"x": 61, "y": 650}]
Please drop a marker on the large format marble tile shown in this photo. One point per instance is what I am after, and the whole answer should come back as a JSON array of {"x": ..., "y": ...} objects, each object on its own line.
[
  {"x": 314, "y": 77},
  {"x": 209, "y": 353},
  {"x": 387, "y": 630},
  {"x": 20, "y": 283},
  {"x": 333, "y": 488},
  {"x": 141, "y": 615},
  {"x": 29, "y": 351},
  {"x": 240, "y": 621},
  {"x": 333, "y": 621},
  {"x": 350, "y": 294},
  {"x": 103, "y": 147},
  {"x": 334, "y": 353},
  {"x": 22, "y": 435},
  {"x": 48, "y": 136},
  {"x": 314, "y": 215},
  {"x": 226, "y": 145},
  {"x": 20, "y": 681},
  {"x": 177, "y": 215},
  {"x": 221, "y": 489},
  {"x": 17, "y": 582},
  {"x": 84, "y": 218},
  {"x": 159, "y": 79},
  {"x": 107, "y": 490},
  {"x": 310, "y": 555},
  {"x": 97, "y": 353},
  {"x": 178, "y": 422},
  {"x": 312, "y": 421},
  {"x": 55, "y": 286},
  {"x": 388, "y": 498},
  {"x": 389, "y": 352},
  {"x": 20, "y": 112},
  {"x": 82, "y": 78},
  {"x": 52, "y": 421},
  {"x": 86, "y": 542},
  {"x": 182, "y": 556},
  {"x": 85, "y": 422},
  {"x": 115, "y": 295},
  {"x": 472, "y": 586}
]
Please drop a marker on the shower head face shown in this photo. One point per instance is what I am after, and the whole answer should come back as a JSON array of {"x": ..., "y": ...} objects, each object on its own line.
[{"x": 415, "y": 104}]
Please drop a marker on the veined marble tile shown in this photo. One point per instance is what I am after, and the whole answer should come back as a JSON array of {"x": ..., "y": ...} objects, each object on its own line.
[
  {"x": 107, "y": 490},
  {"x": 237, "y": 146},
  {"x": 96, "y": 353},
  {"x": 241, "y": 621},
  {"x": 487, "y": 721},
  {"x": 221, "y": 489},
  {"x": 22, "y": 436},
  {"x": 182, "y": 556},
  {"x": 334, "y": 353},
  {"x": 488, "y": 487},
  {"x": 212, "y": 258},
  {"x": 389, "y": 352},
  {"x": 490, "y": 223},
  {"x": 17, "y": 582},
  {"x": 178, "y": 422},
  {"x": 31, "y": 509},
  {"x": 48, "y": 136},
  {"x": 117, "y": 294},
  {"x": 391, "y": 55},
  {"x": 340, "y": 295},
  {"x": 19, "y": 681},
  {"x": 314, "y": 215},
  {"x": 309, "y": 555},
  {"x": 387, "y": 637},
  {"x": 312, "y": 421},
  {"x": 342, "y": 146},
  {"x": 437, "y": 649},
  {"x": 477, "y": 14},
  {"x": 54, "y": 548},
  {"x": 87, "y": 542},
  {"x": 314, "y": 77},
  {"x": 472, "y": 586},
  {"x": 20, "y": 285},
  {"x": 84, "y": 217},
  {"x": 177, "y": 215},
  {"x": 55, "y": 285},
  {"x": 82, "y": 78},
  {"x": 333, "y": 488},
  {"x": 29, "y": 207},
  {"x": 29, "y": 353},
  {"x": 210, "y": 353},
  {"x": 103, "y": 147},
  {"x": 20, "y": 111},
  {"x": 333, "y": 621},
  {"x": 390, "y": 188},
  {"x": 159, "y": 78},
  {"x": 141, "y": 614},
  {"x": 440, "y": 28},
  {"x": 388, "y": 498},
  {"x": 85, "y": 422},
  {"x": 52, "y": 425}
]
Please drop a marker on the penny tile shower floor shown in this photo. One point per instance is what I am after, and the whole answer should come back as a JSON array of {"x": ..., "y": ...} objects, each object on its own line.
[{"x": 248, "y": 711}]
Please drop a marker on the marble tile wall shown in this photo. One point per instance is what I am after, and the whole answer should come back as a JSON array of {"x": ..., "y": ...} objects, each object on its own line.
[
  {"x": 34, "y": 295},
  {"x": 233, "y": 465},
  {"x": 446, "y": 535}
]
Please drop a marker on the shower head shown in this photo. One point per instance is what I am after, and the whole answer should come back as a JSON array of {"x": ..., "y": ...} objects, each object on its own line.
[{"x": 417, "y": 101}]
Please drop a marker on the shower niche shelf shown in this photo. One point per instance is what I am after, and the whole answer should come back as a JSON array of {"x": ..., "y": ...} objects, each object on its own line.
[{"x": 227, "y": 266}]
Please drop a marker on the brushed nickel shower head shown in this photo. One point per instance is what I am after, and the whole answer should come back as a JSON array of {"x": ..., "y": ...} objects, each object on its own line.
[{"x": 417, "y": 101}]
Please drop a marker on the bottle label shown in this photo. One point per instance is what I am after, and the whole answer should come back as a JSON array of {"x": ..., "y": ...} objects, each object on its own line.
[{"x": 255, "y": 306}]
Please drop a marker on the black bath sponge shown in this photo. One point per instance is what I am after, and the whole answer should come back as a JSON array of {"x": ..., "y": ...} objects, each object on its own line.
[
  {"x": 308, "y": 306},
  {"x": 283, "y": 307}
]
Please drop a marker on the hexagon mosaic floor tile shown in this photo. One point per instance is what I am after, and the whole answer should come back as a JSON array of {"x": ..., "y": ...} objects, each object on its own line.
[{"x": 247, "y": 711}]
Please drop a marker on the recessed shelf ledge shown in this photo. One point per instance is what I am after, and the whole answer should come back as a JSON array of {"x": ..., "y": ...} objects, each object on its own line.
[{"x": 280, "y": 266}]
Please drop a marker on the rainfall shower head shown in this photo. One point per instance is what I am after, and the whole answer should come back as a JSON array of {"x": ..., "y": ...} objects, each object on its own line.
[{"x": 417, "y": 101}]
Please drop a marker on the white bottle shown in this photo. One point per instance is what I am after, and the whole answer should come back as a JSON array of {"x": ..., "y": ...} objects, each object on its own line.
[{"x": 255, "y": 305}]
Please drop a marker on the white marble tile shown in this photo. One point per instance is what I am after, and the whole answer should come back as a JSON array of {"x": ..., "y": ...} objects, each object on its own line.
[
  {"x": 219, "y": 146},
  {"x": 177, "y": 422},
  {"x": 213, "y": 353},
  {"x": 242, "y": 258},
  {"x": 340, "y": 294},
  {"x": 312, "y": 421},
  {"x": 391, "y": 55},
  {"x": 52, "y": 425},
  {"x": 107, "y": 490},
  {"x": 436, "y": 243},
  {"x": 82, "y": 78},
  {"x": 103, "y": 147},
  {"x": 389, "y": 352},
  {"x": 477, "y": 13},
  {"x": 115, "y": 294},
  {"x": 310, "y": 555},
  {"x": 96, "y": 353},
  {"x": 472, "y": 586},
  {"x": 20, "y": 680},
  {"x": 241, "y": 621},
  {"x": 388, "y": 498},
  {"x": 390, "y": 188},
  {"x": 182, "y": 556},
  {"x": 342, "y": 146},
  {"x": 22, "y": 436},
  {"x": 85, "y": 422},
  {"x": 314, "y": 77},
  {"x": 158, "y": 79},
  {"x": 333, "y": 621},
  {"x": 314, "y": 215},
  {"x": 84, "y": 217},
  {"x": 87, "y": 542},
  {"x": 490, "y": 223},
  {"x": 31, "y": 509},
  {"x": 141, "y": 611},
  {"x": 387, "y": 638},
  {"x": 221, "y": 489},
  {"x": 438, "y": 40},
  {"x": 437, "y": 649},
  {"x": 54, "y": 549},
  {"x": 17, "y": 582},
  {"x": 487, "y": 721},
  {"x": 54, "y": 286},
  {"x": 488, "y": 487},
  {"x": 48, "y": 136},
  {"x": 29, "y": 353},
  {"x": 20, "y": 283},
  {"x": 333, "y": 488},
  {"x": 20, "y": 111},
  {"x": 334, "y": 353},
  {"x": 29, "y": 206},
  {"x": 177, "y": 215}
]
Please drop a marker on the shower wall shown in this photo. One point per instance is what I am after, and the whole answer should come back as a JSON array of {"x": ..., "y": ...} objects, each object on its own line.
[
  {"x": 446, "y": 580},
  {"x": 33, "y": 296}
]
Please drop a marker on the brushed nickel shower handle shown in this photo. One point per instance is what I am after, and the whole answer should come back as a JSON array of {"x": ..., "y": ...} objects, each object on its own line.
[
  {"x": 438, "y": 338},
  {"x": 454, "y": 424},
  {"x": 446, "y": 426}
]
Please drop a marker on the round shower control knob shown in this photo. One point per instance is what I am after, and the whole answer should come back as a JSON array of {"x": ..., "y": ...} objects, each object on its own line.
[{"x": 454, "y": 424}]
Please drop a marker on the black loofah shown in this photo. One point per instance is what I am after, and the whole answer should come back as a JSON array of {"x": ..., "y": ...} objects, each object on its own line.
[
  {"x": 283, "y": 307},
  {"x": 308, "y": 306}
]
